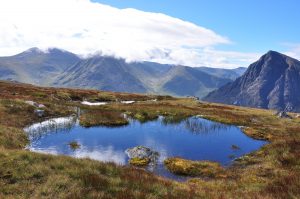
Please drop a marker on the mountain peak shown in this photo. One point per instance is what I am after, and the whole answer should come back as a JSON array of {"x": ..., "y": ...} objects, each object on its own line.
[
  {"x": 272, "y": 52},
  {"x": 34, "y": 50},
  {"x": 272, "y": 82},
  {"x": 274, "y": 55}
]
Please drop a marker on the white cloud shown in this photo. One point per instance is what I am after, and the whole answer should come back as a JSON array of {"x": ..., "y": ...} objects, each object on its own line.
[
  {"x": 84, "y": 28},
  {"x": 293, "y": 50}
]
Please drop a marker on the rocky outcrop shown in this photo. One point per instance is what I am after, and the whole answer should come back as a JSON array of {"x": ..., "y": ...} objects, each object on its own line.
[{"x": 283, "y": 114}]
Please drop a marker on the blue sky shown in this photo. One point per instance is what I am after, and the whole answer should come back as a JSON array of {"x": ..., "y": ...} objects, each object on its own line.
[{"x": 252, "y": 25}]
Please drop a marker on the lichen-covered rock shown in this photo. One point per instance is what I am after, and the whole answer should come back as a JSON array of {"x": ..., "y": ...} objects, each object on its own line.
[
  {"x": 35, "y": 104},
  {"x": 141, "y": 156},
  {"x": 140, "y": 162}
]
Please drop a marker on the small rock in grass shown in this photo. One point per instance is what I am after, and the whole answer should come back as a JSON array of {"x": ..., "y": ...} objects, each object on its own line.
[
  {"x": 39, "y": 112},
  {"x": 283, "y": 114},
  {"x": 42, "y": 106},
  {"x": 32, "y": 103}
]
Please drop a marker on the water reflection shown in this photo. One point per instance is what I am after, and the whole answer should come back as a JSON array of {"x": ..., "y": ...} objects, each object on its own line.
[
  {"x": 62, "y": 124},
  {"x": 191, "y": 138},
  {"x": 104, "y": 154},
  {"x": 196, "y": 126},
  {"x": 169, "y": 120}
]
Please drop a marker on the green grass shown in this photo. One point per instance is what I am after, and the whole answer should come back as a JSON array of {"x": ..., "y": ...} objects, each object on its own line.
[
  {"x": 30, "y": 175},
  {"x": 271, "y": 172},
  {"x": 12, "y": 138},
  {"x": 102, "y": 118}
]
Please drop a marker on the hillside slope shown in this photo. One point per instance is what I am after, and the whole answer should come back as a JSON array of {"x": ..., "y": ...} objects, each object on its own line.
[
  {"x": 272, "y": 82},
  {"x": 36, "y": 66}
]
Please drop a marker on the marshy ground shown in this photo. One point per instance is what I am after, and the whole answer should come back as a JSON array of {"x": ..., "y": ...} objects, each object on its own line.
[{"x": 271, "y": 172}]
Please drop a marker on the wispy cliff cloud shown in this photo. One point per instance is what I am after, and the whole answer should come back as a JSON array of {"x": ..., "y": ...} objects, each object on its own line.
[
  {"x": 87, "y": 28},
  {"x": 293, "y": 49}
]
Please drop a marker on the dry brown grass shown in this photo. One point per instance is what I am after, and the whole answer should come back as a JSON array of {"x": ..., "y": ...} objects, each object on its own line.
[
  {"x": 103, "y": 118},
  {"x": 271, "y": 172}
]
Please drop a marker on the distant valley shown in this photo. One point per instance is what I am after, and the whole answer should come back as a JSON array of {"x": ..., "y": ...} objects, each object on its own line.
[
  {"x": 61, "y": 68},
  {"x": 273, "y": 82}
]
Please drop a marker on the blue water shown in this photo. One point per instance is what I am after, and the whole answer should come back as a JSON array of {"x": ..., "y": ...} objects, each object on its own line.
[{"x": 193, "y": 138}]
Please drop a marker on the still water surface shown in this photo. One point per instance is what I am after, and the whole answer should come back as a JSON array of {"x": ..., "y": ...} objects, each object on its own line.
[{"x": 193, "y": 138}]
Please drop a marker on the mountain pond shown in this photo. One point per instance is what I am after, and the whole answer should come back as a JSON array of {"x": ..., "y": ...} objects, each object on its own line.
[{"x": 193, "y": 138}]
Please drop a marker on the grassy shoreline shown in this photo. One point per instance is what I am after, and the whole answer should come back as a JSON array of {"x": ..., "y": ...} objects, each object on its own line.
[{"x": 271, "y": 172}]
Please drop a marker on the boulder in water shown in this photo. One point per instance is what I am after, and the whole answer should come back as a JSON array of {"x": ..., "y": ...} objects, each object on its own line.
[{"x": 141, "y": 156}]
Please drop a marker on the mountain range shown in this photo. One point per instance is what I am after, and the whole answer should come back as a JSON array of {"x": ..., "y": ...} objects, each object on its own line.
[
  {"x": 272, "y": 82},
  {"x": 60, "y": 68},
  {"x": 36, "y": 66}
]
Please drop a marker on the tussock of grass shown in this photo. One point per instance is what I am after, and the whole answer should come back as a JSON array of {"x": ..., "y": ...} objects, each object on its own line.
[
  {"x": 193, "y": 168},
  {"x": 74, "y": 145},
  {"x": 102, "y": 118},
  {"x": 64, "y": 177},
  {"x": 12, "y": 138}
]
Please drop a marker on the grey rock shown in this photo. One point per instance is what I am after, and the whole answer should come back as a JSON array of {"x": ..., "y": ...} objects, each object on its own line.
[
  {"x": 42, "y": 106},
  {"x": 39, "y": 112},
  {"x": 32, "y": 103},
  {"x": 142, "y": 152},
  {"x": 35, "y": 104},
  {"x": 282, "y": 114}
]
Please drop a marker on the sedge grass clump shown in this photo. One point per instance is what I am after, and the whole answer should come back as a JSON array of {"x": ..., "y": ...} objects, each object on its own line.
[
  {"x": 193, "y": 168},
  {"x": 62, "y": 95},
  {"x": 174, "y": 119},
  {"x": 102, "y": 118},
  {"x": 74, "y": 145},
  {"x": 144, "y": 116},
  {"x": 12, "y": 138},
  {"x": 106, "y": 97}
]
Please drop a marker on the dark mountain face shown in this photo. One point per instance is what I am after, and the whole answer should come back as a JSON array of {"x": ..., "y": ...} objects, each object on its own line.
[
  {"x": 272, "y": 82},
  {"x": 36, "y": 66}
]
